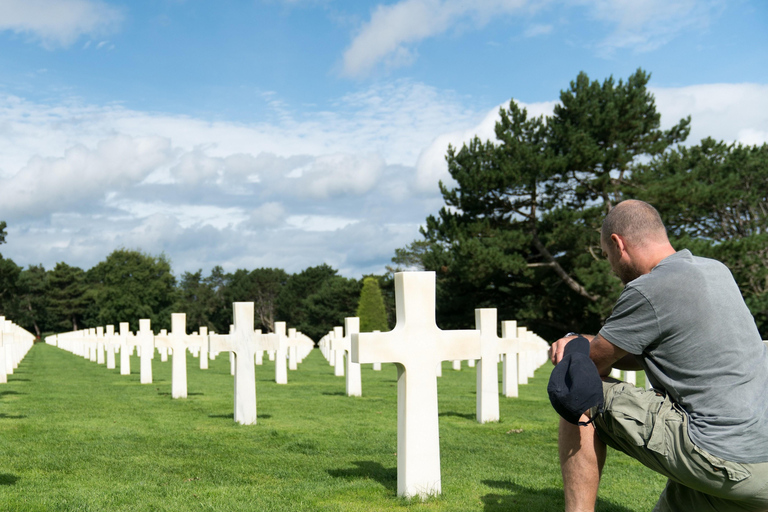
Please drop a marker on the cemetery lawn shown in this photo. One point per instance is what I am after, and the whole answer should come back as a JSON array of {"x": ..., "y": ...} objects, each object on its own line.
[{"x": 77, "y": 436}]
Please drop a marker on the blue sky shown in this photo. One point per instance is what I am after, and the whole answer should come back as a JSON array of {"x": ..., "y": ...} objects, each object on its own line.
[{"x": 290, "y": 133}]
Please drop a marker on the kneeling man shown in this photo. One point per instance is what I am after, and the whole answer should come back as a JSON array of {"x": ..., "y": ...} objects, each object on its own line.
[{"x": 682, "y": 320}]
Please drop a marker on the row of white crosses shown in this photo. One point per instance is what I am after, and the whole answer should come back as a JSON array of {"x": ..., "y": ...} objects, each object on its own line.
[
  {"x": 336, "y": 347},
  {"x": 520, "y": 351},
  {"x": 418, "y": 347},
  {"x": 244, "y": 343},
  {"x": 15, "y": 342},
  {"x": 100, "y": 345}
]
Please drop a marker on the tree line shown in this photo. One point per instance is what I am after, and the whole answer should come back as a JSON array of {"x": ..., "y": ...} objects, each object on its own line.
[
  {"x": 129, "y": 285},
  {"x": 520, "y": 229}
]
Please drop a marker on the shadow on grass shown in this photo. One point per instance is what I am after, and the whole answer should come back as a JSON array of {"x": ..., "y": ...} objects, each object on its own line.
[
  {"x": 470, "y": 416},
  {"x": 9, "y": 392},
  {"x": 369, "y": 469},
  {"x": 334, "y": 393},
  {"x": 231, "y": 416},
  {"x": 11, "y": 417},
  {"x": 518, "y": 497},
  {"x": 11, "y": 378},
  {"x": 6, "y": 479}
]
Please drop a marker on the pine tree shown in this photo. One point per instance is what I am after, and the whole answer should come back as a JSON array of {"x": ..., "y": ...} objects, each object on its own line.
[{"x": 370, "y": 309}]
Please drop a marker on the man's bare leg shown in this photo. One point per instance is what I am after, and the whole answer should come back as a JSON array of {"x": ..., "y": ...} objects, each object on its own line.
[{"x": 582, "y": 456}]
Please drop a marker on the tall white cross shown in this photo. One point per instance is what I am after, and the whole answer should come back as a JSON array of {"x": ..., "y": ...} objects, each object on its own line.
[
  {"x": 198, "y": 345},
  {"x": 509, "y": 367},
  {"x": 293, "y": 349},
  {"x": 241, "y": 341},
  {"x": 111, "y": 343},
  {"x": 343, "y": 346},
  {"x": 416, "y": 345},
  {"x": 146, "y": 341},
  {"x": 338, "y": 352},
  {"x": 126, "y": 348},
  {"x": 90, "y": 340},
  {"x": 487, "y": 408},
  {"x": 280, "y": 341},
  {"x": 100, "y": 345},
  {"x": 177, "y": 342},
  {"x": 3, "y": 373}
]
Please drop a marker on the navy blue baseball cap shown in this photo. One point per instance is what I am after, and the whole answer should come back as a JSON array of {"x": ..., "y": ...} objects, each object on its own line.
[{"x": 575, "y": 385}]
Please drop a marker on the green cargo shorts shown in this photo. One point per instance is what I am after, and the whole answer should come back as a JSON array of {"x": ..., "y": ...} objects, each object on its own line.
[{"x": 649, "y": 427}]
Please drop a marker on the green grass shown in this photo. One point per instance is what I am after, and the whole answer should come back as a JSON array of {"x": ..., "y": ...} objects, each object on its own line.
[{"x": 76, "y": 436}]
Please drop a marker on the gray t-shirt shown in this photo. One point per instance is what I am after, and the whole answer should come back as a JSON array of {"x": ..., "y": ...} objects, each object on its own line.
[{"x": 697, "y": 341}]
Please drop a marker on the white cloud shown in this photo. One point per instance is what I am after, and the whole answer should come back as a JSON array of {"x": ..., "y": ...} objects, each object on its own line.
[
  {"x": 187, "y": 215},
  {"x": 59, "y": 22},
  {"x": 337, "y": 175},
  {"x": 78, "y": 181},
  {"x": 730, "y": 112},
  {"x": 645, "y": 25},
  {"x": 47, "y": 185},
  {"x": 393, "y": 27},
  {"x": 752, "y": 137},
  {"x": 390, "y": 37},
  {"x": 267, "y": 215},
  {"x": 538, "y": 30},
  {"x": 196, "y": 167},
  {"x": 344, "y": 187},
  {"x": 319, "y": 222}
]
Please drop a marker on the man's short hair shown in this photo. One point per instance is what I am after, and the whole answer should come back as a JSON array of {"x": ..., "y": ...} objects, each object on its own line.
[{"x": 636, "y": 221}]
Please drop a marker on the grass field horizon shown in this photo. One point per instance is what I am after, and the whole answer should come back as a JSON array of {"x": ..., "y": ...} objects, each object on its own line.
[{"x": 77, "y": 436}]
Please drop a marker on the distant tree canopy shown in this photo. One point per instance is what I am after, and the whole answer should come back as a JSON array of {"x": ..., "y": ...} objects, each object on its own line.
[
  {"x": 129, "y": 285},
  {"x": 317, "y": 299},
  {"x": 520, "y": 226}
]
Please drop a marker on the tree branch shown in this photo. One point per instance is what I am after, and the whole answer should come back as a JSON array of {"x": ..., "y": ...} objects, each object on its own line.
[{"x": 572, "y": 284}]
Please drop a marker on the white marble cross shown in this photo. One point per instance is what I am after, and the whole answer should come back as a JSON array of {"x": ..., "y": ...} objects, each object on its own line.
[
  {"x": 487, "y": 408},
  {"x": 279, "y": 341},
  {"x": 90, "y": 343},
  {"x": 198, "y": 345},
  {"x": 126, "y": 348},
  {"x": 416, "y": 345},
  {"x": 110, "y": 344},
  {"x": 338, "y": 352},
  {"x": 293, "y": 349},
  {"x": 176, "y": 340},
  {"x": 100, "y": 344},
  {"x": 3, "y": 356},
  {"x": 532, "y": 354},
  {"x": 145, "y": 339},
  {"x": 241, "y": 341},
  {"x": 343, "y": 346},
  {"x": 9, "y": 345},
  {"x": 509, "y": 349}
]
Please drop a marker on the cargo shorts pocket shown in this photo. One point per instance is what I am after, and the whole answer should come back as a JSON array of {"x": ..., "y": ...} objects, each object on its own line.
[
  {"x": 736, "y": 472},
  {"x": 630, "y": 409}
]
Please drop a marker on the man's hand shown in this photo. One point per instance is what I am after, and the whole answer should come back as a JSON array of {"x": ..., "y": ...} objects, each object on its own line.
[{"x": 557, "y": 348}]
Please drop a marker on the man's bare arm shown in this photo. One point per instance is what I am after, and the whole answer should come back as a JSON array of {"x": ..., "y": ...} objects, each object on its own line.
[
  {"x": 606, "y": 355},
  {"x": 603, "y": 353}
]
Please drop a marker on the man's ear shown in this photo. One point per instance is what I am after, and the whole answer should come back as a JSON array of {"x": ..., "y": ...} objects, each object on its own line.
[{"x": 618, "y": 244}]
